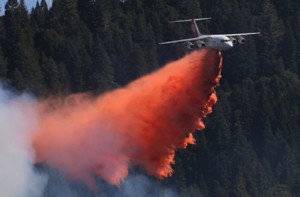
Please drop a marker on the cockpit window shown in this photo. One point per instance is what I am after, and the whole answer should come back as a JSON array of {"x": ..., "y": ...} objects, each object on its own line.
[{"x": 225, "y": 40}]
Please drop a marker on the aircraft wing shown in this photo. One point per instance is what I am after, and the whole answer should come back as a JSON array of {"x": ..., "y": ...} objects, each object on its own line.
[
  {"x": 202, "y": 37},
  {"x": 240, "y": 34}
]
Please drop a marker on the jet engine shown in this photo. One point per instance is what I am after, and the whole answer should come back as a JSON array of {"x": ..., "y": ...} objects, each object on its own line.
[
  {"x": 241, "y": 40},
  {"x": 189, "y": 45},
  {"x": 200, "y": 44},
  {"x": 233, "y": 40}
]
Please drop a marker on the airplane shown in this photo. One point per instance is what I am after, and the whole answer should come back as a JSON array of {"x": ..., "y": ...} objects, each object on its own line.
[{"x": 213, "y": 41}]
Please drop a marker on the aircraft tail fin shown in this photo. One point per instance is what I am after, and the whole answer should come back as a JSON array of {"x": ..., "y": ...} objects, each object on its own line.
[
  {"x": 190, "y": 20},
  {"x": 193, "y": 24}
]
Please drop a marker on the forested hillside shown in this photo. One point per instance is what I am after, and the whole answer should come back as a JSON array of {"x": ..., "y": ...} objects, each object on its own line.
[{"x": 251, "y": 144}]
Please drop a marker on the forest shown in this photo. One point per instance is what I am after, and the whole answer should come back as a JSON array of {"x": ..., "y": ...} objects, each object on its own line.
[{"x": 251, "y": 144}]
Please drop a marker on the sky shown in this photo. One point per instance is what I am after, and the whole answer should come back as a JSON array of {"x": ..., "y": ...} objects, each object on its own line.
[{"x": 29, "y": 4}]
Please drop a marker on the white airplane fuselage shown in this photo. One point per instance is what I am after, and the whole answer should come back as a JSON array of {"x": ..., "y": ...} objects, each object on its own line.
[{"x": 219, "y": 42}]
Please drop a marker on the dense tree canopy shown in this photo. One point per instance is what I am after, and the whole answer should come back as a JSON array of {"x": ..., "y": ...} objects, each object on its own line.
[{"x": 251, "y": 144}]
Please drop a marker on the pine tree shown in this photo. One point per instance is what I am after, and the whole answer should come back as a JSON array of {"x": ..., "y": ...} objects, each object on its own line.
[
  {"x": 270, "y": 40},
  {"x": 39, "y": 14},
  {"x": 21, "y": 58},
  {"x": 3, "y": 65},
  {"x": 51, "y": 75},
  {"x": 101, "y": 74},
  {"x": 103, "y": 22}
]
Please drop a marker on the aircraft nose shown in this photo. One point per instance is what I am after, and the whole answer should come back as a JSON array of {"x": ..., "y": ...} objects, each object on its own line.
[{"x": 229, "y": 44}]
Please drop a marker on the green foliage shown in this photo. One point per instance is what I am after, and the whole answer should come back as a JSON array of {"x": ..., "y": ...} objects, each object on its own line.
[
  {"x": 251, "y": 144},
  {"x": 3, "y": 63},
  {"x": 101, "y": 74}
]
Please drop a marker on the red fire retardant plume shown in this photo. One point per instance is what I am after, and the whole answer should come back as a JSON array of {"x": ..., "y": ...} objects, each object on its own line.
[{"x": 141, "y": 124}]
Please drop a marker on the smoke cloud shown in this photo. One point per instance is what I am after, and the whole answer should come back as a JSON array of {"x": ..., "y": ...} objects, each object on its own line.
[
  {"x": 140, "y": 185},
  {"x": 141, "y": 124},
  {"x": 17, "y": 120}
]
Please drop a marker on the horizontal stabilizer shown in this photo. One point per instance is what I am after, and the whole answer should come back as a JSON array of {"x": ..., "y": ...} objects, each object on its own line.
[{"x": 189, "y": 20}]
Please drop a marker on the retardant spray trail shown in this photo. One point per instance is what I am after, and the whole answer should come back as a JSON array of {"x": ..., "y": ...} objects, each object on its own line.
[{"x": 141, "y": 124}]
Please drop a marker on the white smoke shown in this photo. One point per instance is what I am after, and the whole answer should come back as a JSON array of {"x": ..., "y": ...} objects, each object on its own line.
[
  {"x": 142, "y": 186},
  {"x": 17, "y": 176}
]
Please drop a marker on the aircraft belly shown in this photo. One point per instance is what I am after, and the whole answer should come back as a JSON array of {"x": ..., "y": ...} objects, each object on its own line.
[{"x": 212, "y": 45}]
